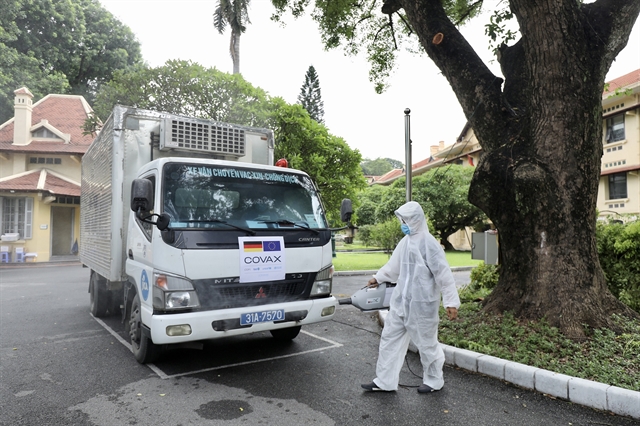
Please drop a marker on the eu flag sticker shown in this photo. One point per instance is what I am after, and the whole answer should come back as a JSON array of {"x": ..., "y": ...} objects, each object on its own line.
[{"x": 271, "y": 245}]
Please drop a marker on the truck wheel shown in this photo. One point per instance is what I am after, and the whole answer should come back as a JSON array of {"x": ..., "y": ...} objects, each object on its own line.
[
  {"x": 143, "y": 348},
  {"x": 285, "y": 333},
  {"x": 99, "y": 296}
]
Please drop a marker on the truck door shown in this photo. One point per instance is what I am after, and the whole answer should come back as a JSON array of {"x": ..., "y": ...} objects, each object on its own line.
[{"x": 140, "y": 254}]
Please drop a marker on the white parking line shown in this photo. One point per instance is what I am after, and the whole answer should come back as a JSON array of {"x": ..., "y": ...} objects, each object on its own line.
[
  {"x": 163, "y": 375},
  {"x": 113, "y": 333}
]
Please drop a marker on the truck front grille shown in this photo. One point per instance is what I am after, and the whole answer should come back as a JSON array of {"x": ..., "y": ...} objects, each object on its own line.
[{"x": 235, "y": 295}]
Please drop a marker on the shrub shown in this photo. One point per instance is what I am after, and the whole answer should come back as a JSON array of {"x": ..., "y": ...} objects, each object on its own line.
[
  {"x": 387, "y": 234},
  {"x": 619, "y": 254},
  {"x": 365, "y": 235},
  {"x": 484, "y": 277}
]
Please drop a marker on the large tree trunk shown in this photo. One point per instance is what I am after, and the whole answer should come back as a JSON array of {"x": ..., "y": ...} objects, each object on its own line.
[{"x": 542, "y": 140}]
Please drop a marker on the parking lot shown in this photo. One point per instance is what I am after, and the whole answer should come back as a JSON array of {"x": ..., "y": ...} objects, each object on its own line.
[{"x": 59, "y": 365}]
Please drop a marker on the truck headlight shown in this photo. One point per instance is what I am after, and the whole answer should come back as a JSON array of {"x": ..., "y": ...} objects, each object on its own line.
[
  {"x": 171, "y": 292},
  {"x": 322, "y": 283},
  {"x": 181, "y": 299}
]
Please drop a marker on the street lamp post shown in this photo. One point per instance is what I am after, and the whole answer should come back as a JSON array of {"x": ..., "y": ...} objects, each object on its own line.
[{"x": 407, "y": 150}]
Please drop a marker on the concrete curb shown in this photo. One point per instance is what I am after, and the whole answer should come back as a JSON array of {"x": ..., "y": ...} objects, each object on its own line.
[{"x": 623, "y": 402}]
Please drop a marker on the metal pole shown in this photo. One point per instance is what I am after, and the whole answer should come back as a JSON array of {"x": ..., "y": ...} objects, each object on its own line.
[{"x": 407, "y": 150}]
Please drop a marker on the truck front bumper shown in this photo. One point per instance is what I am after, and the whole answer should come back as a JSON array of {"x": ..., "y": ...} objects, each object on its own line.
[{"x": 207, "y": 324}]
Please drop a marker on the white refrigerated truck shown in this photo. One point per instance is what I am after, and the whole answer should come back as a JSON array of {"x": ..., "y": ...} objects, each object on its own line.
[{"x": 191, "y": 234}]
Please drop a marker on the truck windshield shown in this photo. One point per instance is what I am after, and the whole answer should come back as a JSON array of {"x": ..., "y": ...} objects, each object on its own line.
[{"x": 204, "y": 195}]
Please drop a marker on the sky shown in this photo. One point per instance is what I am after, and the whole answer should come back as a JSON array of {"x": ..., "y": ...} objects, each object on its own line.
[{"x": 276, "y": 58}]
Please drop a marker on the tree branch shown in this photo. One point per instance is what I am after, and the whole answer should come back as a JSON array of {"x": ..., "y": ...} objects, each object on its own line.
[
  {"x": 478, "y": 90},
  {"x": 612, "y": 21}
]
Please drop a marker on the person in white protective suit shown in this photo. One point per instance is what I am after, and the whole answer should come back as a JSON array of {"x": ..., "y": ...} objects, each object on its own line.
[{"x": 419, "y": 267}]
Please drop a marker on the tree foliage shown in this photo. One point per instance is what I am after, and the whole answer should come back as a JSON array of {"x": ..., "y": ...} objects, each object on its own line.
[
  {"x": 380, "y": 166},
  {"x": 309, "y": 146},
  {"x": 310, "y": 96},
  {"x": 70, "y": 46},
  {"x": 366, "y": 213},
  {"x": 16, "y": 71},
  {"x": 619, "y": 253},
  {"x": 443, "y": 194},
  {"x": 540, "y": 128},
  {"x": 187, "y": 88}
]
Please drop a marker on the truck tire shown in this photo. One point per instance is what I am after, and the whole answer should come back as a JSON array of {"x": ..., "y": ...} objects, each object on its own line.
[
  {"x": 143, "y": 348},
  {"x": 285, "y": 333},
  {"x": 98, "y": 295}
]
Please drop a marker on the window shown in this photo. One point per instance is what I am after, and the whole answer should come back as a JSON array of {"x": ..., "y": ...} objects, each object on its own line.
[
  {"x": 17, "y": 216},
  {"x": 41, "y": 160},
  {"x": 617, "y": 186},
  {"x": 67, "y": 200},
  {"x": 43, "y": 132},
  {"x": 199, "y": 196},
  {"x": 615, "y": 128}
]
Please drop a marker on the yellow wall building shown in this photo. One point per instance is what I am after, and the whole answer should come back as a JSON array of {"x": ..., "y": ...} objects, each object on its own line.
[
  {"x": 40, "y": 156},
  {"x": 619, "y": 188}
]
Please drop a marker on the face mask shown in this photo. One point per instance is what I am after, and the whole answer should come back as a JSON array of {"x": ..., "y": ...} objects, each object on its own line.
[{"x": 405, "y": 229}]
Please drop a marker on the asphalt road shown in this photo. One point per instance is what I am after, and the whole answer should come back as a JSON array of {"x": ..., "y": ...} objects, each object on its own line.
[{"x": 60, "y": 366}]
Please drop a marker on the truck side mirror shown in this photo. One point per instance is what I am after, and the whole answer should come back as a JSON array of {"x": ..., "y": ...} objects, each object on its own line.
[
  {"x": 162, "y": 222},
  {"x": 141, "y": 196},
  {"x": 346, "y": 210}
]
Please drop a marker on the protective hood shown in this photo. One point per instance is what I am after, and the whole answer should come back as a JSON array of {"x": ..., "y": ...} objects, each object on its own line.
[{"x": 413, "y": 215}]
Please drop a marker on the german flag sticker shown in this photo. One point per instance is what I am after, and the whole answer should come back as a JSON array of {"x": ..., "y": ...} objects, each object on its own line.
[{"x": 252, "y": 245}]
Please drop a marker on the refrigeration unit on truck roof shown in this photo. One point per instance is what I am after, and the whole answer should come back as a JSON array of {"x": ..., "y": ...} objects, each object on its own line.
[{"x": 202, "y": 135}]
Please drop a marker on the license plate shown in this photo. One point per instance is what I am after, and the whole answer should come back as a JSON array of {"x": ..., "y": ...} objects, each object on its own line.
[{"x": 264, "y": 316}]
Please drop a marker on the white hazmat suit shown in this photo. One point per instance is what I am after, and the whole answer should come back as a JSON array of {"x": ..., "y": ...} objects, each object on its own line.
[{"x": 419, "y": 267}]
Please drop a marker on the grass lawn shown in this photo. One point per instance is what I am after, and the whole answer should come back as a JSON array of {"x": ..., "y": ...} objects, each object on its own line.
[{"x": 361, "y": 261}]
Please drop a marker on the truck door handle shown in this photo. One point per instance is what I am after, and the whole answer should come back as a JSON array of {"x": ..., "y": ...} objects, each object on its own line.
[{"x": 130, "y": 254}]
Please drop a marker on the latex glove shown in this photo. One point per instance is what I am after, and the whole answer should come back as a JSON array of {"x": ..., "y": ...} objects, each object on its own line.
[
  {"x": 452, "y": 313},
  {"x": 373, "y": 283}
]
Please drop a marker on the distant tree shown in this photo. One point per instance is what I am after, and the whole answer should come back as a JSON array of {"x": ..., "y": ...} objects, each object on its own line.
[
  {"x": 368, "y": 202},
  {"x": 380, "y": 166},
  {"x": 235, "y": 14},
  {"x": 187, "y": 88},
  {"x": 77, "y": 40},
  {"x": 310, "y": 97},
  {"x": 328, "y": 159},
  {"x": 441, "y": 192},
  {"x": 396, "y": 164}
]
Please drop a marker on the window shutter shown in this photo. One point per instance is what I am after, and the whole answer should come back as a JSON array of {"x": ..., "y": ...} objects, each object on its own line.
[{"x": 28, "y": 217}]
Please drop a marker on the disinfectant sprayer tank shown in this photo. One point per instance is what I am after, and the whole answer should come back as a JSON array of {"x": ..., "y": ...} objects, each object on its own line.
[{"x": 371, "y": 298}]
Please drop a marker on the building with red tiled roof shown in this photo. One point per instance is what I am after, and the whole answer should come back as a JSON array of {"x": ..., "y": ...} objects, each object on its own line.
[{"x": 40, "y": 156}]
